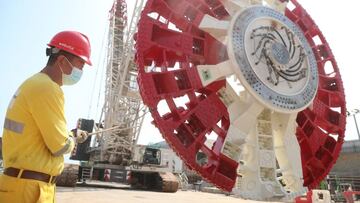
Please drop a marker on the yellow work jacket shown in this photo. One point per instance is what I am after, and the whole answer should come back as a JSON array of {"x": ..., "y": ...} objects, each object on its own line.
[{"x": 35, "y": 136}]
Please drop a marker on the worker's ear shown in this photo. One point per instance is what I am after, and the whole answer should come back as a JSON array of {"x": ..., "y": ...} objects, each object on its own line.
[
  {"x": 63, "y": 64},
  {"x": 61, "y": 60}
]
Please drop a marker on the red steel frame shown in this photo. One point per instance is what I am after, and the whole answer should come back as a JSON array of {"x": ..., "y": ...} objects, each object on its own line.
[{"x": 174, "y": 55}]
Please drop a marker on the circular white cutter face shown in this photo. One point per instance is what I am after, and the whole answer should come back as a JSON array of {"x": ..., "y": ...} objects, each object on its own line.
[{"x": 272, "y": 59}]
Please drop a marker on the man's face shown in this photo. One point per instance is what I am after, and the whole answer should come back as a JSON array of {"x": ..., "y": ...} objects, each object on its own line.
[{"x": 66, "y": 63}]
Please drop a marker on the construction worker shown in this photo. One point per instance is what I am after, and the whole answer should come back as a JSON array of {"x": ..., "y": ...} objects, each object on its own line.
[{"x": 35, "y": 135}]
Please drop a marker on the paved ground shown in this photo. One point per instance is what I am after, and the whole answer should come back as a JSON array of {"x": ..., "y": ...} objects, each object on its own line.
[{"x": 101, "y": 195}]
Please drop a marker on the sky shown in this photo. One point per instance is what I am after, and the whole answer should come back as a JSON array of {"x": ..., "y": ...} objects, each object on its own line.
[{"x": 27, "y": 26}]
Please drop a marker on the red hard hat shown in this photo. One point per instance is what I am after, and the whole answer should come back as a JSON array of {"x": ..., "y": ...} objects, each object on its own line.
[{"x": 73, "y": 42}]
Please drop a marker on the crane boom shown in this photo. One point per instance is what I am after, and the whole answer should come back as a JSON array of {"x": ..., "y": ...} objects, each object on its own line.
[{"x": 123, "y": 109}]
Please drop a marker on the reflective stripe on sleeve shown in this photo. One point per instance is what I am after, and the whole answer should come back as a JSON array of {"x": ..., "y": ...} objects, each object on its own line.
[
  {"x": 66, "y": 148},
  {"x": 14, "y": 126}
]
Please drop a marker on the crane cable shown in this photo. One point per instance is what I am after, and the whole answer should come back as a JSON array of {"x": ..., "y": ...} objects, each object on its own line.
[{"x": 96, "y": 77}]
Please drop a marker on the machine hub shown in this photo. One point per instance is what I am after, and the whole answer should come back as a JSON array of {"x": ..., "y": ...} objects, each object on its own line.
[
  {"x": 279, "y": 53},
  {"x": 273, "y": 59}
]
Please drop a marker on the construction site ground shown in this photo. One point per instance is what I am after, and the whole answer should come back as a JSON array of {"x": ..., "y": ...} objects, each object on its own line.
[{"x": 112, "y": 195}]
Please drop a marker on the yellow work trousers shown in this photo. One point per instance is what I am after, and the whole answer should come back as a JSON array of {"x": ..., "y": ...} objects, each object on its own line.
[{"x": 16, "y": 190}]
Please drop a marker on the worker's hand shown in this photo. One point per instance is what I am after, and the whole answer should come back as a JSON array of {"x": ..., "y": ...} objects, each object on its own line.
[{"x": 80, "y": 135}]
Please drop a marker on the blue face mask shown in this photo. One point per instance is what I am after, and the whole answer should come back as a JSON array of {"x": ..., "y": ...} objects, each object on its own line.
[{"x": 74, "y": 76}]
